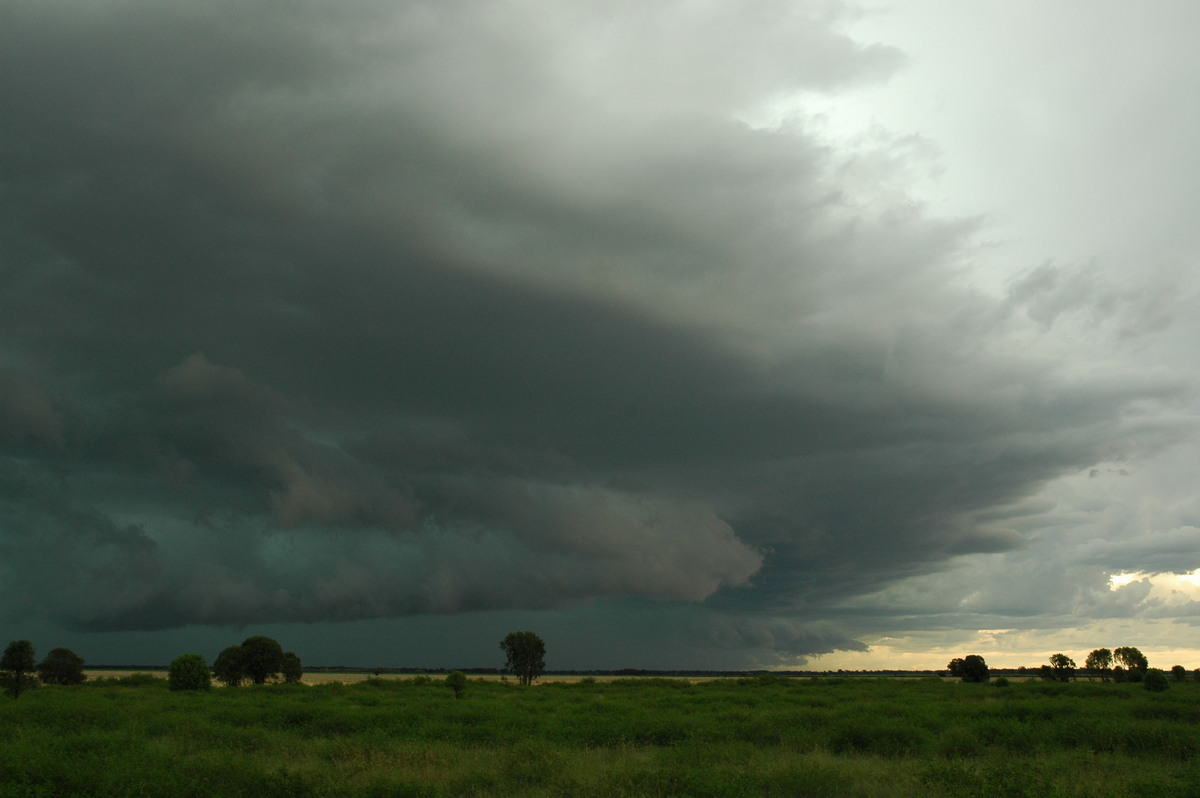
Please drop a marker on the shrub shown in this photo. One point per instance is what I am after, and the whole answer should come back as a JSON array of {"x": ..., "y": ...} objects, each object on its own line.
[
  {"x": 1155, "y": 680},
  {"x": 189, "y": 672},
  {"x": 1001, "y": 681},
  {"x": 457, "y": 681}
]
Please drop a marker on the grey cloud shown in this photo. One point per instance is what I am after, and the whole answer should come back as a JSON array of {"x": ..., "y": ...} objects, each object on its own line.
[
  {"x": 27, "y": 411},
  {"x": 1171, "y": 551},
  {"x": 386, "y": 310}
]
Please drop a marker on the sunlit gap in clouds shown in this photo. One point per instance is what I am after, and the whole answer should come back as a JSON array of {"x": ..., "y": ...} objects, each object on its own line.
[{"x": 1168, "y": 587}]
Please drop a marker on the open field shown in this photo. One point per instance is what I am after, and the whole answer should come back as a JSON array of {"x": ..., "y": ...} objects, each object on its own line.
[
  {"x": 640, "y": 737},
  {"x": 353, "y": 677}
]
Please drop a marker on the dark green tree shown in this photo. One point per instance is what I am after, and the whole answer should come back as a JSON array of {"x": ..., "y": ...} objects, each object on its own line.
[
  {"x": 1155, "y": 680},
  {"x": 16, "y": 668},
  {"x": 188, "y": 672},
  {"x": 61, "y": 666},
  {"x": 262, "y": 658},
  {"x": 228, "y": 667},
  {"x": 1099, "y": 663},
  {"x": 1062, "y": 668},
  {"x": 1179, "y": 673},
  {"x": 971, "y": 668},
  {"x": 291, "y": 668},
  {"x": 1133, "y": 660},
  {"x": 457, "y": 681},
  {"x": 525, "y": 655}
]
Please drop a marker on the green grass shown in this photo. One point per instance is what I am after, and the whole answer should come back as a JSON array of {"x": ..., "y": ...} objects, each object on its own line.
[{"x": 638, "y": 737}]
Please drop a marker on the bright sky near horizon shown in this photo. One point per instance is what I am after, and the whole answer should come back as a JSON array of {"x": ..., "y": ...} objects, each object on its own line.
[{"x": 687, "y": 334}]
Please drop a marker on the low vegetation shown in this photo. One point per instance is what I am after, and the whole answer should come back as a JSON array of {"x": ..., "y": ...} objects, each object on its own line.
[{"x": 761, "y": 736}]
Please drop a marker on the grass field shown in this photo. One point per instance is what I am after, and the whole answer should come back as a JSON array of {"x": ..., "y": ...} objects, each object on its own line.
[{"x": 639, "y": 737}]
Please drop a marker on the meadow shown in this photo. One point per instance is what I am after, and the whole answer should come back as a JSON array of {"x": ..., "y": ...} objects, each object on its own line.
[{"x": 765, "y": 736}]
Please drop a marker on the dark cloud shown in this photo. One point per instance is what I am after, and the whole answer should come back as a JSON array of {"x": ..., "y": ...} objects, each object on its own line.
[{"x": 391, "y": 310}]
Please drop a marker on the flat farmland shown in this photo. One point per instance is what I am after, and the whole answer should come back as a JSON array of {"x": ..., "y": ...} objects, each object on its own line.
[{"x": 762, "y": 736}]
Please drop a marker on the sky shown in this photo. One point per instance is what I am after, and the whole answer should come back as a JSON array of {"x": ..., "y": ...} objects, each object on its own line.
[{"x": 689, "y": 335}]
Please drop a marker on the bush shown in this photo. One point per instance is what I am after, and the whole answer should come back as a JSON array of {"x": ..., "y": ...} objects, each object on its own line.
[
  {"x": 1155, "y": 680},
  {"x": 1001, "y": 681},
  {"x": 457, "y": 682},
  {"x": 189, "y": 672}
]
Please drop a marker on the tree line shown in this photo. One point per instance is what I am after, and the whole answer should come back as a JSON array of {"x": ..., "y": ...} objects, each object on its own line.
[
  {"x": 1122, "y": 664},
  {"x": 257, "y": 660}
]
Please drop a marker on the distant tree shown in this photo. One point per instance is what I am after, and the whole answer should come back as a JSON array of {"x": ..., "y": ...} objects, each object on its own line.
[
  {"x": 1155, "y": 680},
  {"x": 1132, "y": 659},
  {"x": 228, "y": 667},
  {"x": 1099, "y": 662},
  {"x": 16, "y": 668},
  {"x": 188, "y": 672},
  {"x": 1062, "y": 668},
  {"x": 1179, "y": 673},
  {"x": 457, "y": 681},
  {"x": 525, "y": 655},
  {"x": 291, "y": 668},
  {"x": 971, "y": 668},
  {"x": 262, "y": 658},
  {"x": 61, "y": 666}
]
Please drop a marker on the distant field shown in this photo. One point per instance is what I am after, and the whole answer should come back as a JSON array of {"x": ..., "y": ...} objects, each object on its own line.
[
  {"x": 352, "y": 678},
  {"x": 766, "y": 736}
]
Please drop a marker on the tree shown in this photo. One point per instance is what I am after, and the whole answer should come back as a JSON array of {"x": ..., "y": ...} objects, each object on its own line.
[
  {"x": 61, "y": 666},
  {"x": 1179, "y": 673},
  {"x": 971, "y": 668},
  {"x": 1062, "y": 668},
  {"x": 1155, "y": 680},
  {"x": 457, "y": 681},
  {"x": 1132, "y": 659},
  {"x": 1099, "y": 662},
  {"x": 228, "y": 667},
  {"x": 262, "y": 658},
  {"x": 291, "y": 668},
  {"x": 16, "y": 668},
  {"x": 188, "y": 672},
  {"x": 525, "y": 655}
]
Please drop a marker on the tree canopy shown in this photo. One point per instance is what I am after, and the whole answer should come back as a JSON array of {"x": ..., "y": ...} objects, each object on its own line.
[
  {"x": 1061, "y": 669},
  {"x": 1131, "y": 658},
  {"x": 1100, "y": 662},
  {"x": 291, "y": 668},
  {"x": 525, "y": 655},
  {"x": 61, "y": 666},
  {"x": 262, "y": 658},
  {"x": 971, "y": 668},
  {"x": 16, "y": 668},
  {"x": 227, "y": 668}
]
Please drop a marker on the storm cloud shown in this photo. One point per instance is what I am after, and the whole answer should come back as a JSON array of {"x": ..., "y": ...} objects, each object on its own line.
[{"x": 384, "y": 310}]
